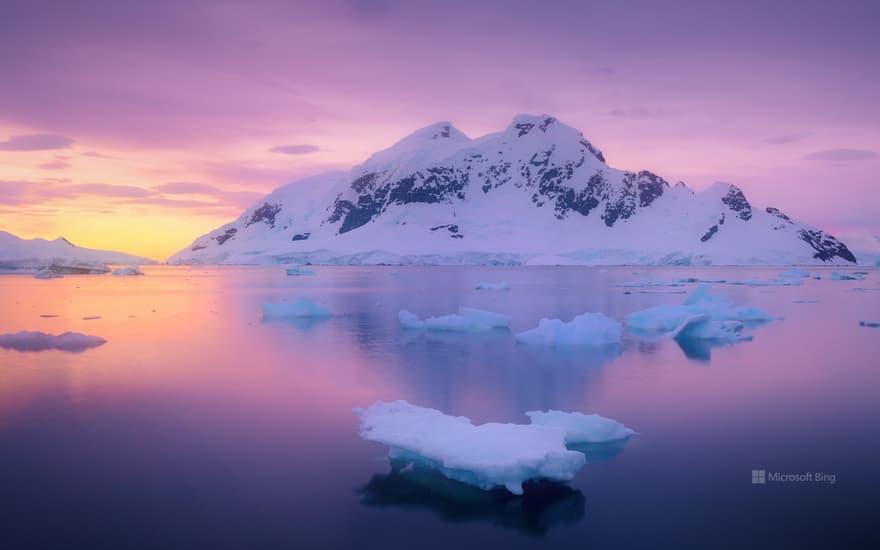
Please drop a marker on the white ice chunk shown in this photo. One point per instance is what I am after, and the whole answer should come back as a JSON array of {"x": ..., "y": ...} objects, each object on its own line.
[
  {"x": 486, "y": 456},
  {"x": 46, "y": 273},
  {"x": 844, "y": 276},
  {"x": 795, "y": 273},
  {"x": 582, "y": 428},
  {"x": 701, "y": 316},
  {"x": 493, "y": 286},
  {"x": 296, "y": 271},
  {"x": 587, "y": 329},
  {"x": 41, "y": 341},
  {"x": 129, "y": 271},
  {"x": 468, "y": 319},
  {"x": 300, "y": 307}
]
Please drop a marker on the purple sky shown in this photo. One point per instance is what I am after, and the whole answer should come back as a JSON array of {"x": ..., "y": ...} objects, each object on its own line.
[{"x": 236, "y": 98}]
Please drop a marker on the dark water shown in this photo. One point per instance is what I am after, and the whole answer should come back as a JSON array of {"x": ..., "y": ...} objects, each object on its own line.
[{"x": 199, "y": 426}]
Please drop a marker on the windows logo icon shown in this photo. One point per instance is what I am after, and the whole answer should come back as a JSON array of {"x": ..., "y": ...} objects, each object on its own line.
[{"x": 759, "y": 477}]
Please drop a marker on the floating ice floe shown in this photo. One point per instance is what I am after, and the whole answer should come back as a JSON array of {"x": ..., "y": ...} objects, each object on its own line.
[
  {"x": 468, "y": 319},
  {"x": 493, "y": 286},
  {"x": 298, "y": 308},
  {"x": 795, "y": 273},
  {"x": 296, "y": 271},
  {"x": 587, "y": 329},
  {"x": 844, "y": 276},
  {"x": 78, "y": 267},
  {"x": 486, "y": 456},
  {"x": 872, "y": 324},
  {"x": 806, "y": 301},
  {"x": 582, "y": 428},
  {"x": 128, "y": 271},
  {"x": 46, "y": 273},
  {"x": 702, "y": 316},
  {"x": 41, "y": 341}
]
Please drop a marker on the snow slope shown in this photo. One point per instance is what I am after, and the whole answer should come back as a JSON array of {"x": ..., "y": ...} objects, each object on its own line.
[
  {"x": 31, "y": 255},
  {"x": 536, "y": 193}
]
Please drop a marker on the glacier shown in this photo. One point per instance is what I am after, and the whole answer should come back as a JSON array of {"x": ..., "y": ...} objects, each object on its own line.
[
  {"x": 74, "y": 342},
  {"x": 301, "y": 307},
  {"x": 535, "y": 193},
  {"x": 587, "y": 329},
  {"x": 486, "y": 455},
  {"x": 59, "y": 256},
  {"x": 468, "y": 319}
]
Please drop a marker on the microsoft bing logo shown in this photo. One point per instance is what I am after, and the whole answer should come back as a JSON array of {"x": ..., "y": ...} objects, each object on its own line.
[{"x": 759, "y": 477}]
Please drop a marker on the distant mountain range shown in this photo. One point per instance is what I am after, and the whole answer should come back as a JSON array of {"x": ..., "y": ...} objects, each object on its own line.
[
  {"x": 536, "y": 193},
  {"x": 27, "y": 255}
]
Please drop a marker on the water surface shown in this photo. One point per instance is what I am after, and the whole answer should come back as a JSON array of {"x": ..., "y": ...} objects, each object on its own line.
[{"x": 199, "y": 425}]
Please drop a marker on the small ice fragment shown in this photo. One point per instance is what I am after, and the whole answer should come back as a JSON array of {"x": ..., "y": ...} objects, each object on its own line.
[
  {"x": 844, "y": 276},
  {"x": 486, "y": 456},
  {"x": 587, "y": 329},
  {"x": 40, "y": 341},
  {"x": 795, "y": 273},
  {"x": 493, "y": 286},
  {"x": 91, "y": 318},
  {"x": 872, "y": 324},
  {"x": 128, "y": 271},
  {"x": 48, "y": 316},
  {"x": 582, "y": 428},
  {"x": 467, "y": 319},
  {"x": 296, "y": 271},
  {"x": 300, "y": 307},
  {"x": 46, "y": 273},
  {"x": 806, "y": 301}
]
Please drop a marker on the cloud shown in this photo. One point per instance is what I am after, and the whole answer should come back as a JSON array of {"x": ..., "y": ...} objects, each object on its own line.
[
  {"x": 295, "y": 149},
  {"x": 35, "y": 142},
  {"x": 97, "y": 155},
  {"x": 109, "y": 190},
  {"x": 235, "y": 198},
  {"x": 841, "y": 155},
  {"x": 787, "y": 138},
  {"x": 636, "y": 112},
  {"x": 54, "y": 165}
]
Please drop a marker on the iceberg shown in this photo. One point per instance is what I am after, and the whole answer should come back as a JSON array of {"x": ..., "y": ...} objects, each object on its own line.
[
  {"x": 296, "y": 271},
  {"x": 40, "y": 341},
  {"x": 468, "y": 319},
  {"x": 702, "y": 316},
  {"x": 582, "y": 428},
  {"x": 46, "y": 273},
  {"x": 587, "y": 329},
  {"x": 128, "y": 271},
  {"x": 486, "y": 456},
  {"x": 300, "y": 307},
  {"x": 493, "y": 286}
]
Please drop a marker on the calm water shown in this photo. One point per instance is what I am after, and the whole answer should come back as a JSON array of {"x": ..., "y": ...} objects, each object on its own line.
[{"x": 198, "y": 425}]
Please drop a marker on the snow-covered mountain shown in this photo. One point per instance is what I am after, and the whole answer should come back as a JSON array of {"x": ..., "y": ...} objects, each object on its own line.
[
  {"x": 535, "y": 193},
  {"x": 27, "y": 255}
]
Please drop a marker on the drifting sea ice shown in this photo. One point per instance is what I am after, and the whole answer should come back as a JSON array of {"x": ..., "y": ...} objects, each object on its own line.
[
  {"x": 485, "y": 456},
  {"x": 587, "y": 329},
  {"x": 300, "y": 307},
  {"x": 295, "y": 271},
  {"x": 493, "y": 286},
  {"x": 129, "y": 271},
  {"x": 795, "y": 273},
  {"x": 46, "y": 273},
  {"x": 844, "y": 276},
  {"x": 582, "y": 428},
  {"x": 872, "y": 324},
  {"x": 468, "y": 319},
  {"x": 702, "y": 316},
  {"x": 41, "y": 341}
]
